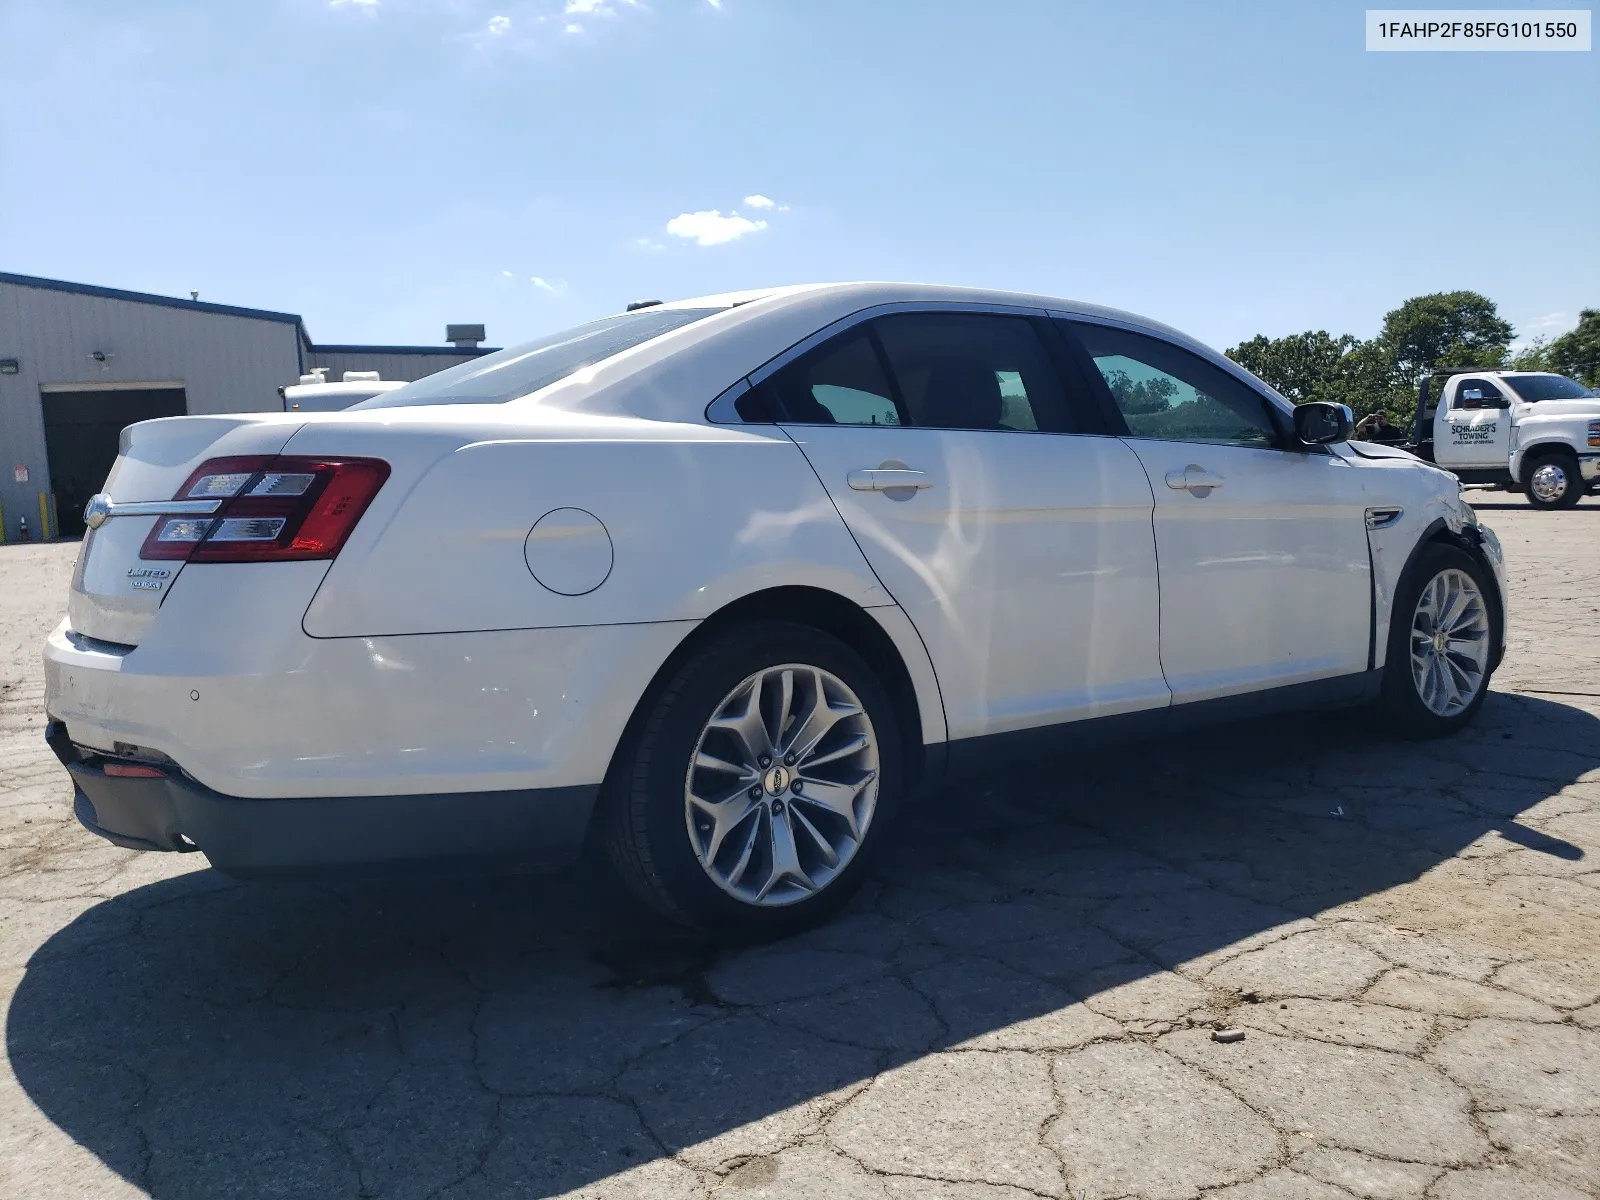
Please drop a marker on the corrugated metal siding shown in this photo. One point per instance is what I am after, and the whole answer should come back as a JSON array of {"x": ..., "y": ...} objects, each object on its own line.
[
  {"x": 389, "y": 365},
  {"x": 225, "y": 364}
]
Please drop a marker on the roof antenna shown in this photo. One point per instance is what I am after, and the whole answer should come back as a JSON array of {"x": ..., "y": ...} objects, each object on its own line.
[
  {"x": 635, "y": 305},
  {"x": 194, "y": 295}
]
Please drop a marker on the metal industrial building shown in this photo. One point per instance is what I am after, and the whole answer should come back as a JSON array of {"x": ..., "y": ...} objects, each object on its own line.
[{"x": 79, "y": 362}]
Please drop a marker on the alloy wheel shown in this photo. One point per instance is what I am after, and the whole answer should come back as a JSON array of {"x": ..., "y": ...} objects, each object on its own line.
[
  {"x": 782, "y": 785},
  {"x": 1449, "y": 642}
]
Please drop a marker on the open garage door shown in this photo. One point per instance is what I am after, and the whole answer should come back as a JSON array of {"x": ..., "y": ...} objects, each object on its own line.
[{"x": 80, "y": 436}]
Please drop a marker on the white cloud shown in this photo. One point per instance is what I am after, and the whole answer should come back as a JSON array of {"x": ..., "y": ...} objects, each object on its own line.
[
  {"x": 544, "y": 285},
  {"x": 584, "y": 7},
  {"x": 711, "y": 228},
  {"x": 499, "y": 26},
  {"x": 714, "y": 3},
  {"x": 1548, "y": 321},
  {"x": 760, "y": 201},
  {"x": 356, "y": 3},
  {"x": 574, "y": 27},
  {"x": 507, "y": 274}
]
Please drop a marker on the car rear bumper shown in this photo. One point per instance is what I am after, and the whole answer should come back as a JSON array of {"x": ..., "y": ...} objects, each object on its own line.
[
  {"x": 290, "y": 837},
  {"x": 229, "y": 686}
]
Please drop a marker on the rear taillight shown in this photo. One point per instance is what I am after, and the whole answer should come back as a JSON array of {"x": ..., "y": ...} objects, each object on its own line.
[{"x": 273, "y": 509}]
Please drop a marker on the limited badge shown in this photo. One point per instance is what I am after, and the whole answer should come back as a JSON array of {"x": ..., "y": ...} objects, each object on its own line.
[{"x": 148, "y": 579}]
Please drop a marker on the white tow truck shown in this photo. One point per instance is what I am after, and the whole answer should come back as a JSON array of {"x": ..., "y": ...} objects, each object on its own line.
[
  {"x": 1527, "y": 431},
  {"x": 315, "y": 394}
]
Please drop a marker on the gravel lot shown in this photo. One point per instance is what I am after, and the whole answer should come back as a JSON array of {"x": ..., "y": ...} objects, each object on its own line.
[{"x": 1021, "y": 1003}]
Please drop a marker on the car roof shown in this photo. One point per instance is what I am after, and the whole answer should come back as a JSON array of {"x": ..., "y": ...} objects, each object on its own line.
[
  {"x": 676, "y": 375},
  {"x": 869, "y": 294}
]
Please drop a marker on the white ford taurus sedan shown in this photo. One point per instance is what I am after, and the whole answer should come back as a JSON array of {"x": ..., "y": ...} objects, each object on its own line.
[{"x": 717, "y": 584}]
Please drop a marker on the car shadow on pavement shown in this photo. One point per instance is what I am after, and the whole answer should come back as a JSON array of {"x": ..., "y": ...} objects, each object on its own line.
[{"x": 530, "y": 1035}]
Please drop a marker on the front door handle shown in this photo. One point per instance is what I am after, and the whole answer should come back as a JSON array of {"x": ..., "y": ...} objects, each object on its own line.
[
  {"x": 1194, "y": 479},
  {"x": 886, "y": 479}
]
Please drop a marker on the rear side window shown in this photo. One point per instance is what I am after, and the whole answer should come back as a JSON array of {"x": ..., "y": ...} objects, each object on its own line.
[
  {"x": 518, "y": 370},
  {"x": 1476, "y": 393},
  {"x": 932, "y": 370},
  {"x": 971, "y": 371},
  {"x": 842, "y": 382}
]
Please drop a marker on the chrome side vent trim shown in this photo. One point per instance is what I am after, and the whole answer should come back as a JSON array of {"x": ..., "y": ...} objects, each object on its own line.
[{"x": 1382, "y": 518}]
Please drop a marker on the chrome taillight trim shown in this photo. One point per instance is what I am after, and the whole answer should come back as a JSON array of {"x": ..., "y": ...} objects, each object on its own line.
[{"x": 101, "y": 508}]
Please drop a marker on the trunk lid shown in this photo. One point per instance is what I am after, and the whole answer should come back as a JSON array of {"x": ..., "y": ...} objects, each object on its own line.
[{"x": 115, "y": 595}]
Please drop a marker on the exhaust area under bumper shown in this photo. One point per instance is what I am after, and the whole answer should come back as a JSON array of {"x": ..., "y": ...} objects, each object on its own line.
[{"x": 301, "y": 837}]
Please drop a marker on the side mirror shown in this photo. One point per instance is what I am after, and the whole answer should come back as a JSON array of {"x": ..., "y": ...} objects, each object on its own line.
[{"x": 1318, "y": 423}]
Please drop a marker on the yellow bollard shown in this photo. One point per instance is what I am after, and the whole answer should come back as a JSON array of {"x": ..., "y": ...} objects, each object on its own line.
[{"x": 44, "y": 516}]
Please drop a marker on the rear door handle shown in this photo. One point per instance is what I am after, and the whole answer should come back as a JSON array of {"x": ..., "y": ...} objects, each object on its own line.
[
  {"x": 1194, "y": 479},
  {"x": 886, "y": 479}
]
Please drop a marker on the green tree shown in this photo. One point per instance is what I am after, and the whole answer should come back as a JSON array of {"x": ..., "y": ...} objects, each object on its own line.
[
  {"x": 1369, "y": 380},
  {"x": 1576, "y": 353},
  {"x": 1445, "y": 329},
  {"x": 1301, "y": 366},
  {"x": 1532, "y": 357},
  {"x": 1141, "y": 396},
  {"x": 1342, "y": 369}
]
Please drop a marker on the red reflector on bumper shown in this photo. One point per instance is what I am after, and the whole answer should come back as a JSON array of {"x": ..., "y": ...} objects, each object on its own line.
[{"x": 134, "y": 771}]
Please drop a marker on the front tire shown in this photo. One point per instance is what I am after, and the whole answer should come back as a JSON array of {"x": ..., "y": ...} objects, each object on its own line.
[
  {"x": 752, "y": 792},
  {"x": 1442, "y": 633},
  {"x": 1554, "y": 482}
]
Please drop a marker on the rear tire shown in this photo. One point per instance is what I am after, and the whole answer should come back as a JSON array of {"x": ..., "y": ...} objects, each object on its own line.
[
  {"x": 741, "y": 849},
  {"x": 1554, "y": 481},
  {"x": 1443, "y": 631}
]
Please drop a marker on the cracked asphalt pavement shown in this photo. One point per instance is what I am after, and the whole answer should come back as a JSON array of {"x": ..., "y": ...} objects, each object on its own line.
[{"x": 1021, "y": 1003}]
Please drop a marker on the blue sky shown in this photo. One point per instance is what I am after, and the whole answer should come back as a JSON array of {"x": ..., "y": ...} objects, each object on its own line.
[{"x": 385, "y": 166}]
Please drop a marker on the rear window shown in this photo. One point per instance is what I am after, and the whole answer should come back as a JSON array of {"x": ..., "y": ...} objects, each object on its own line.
[
  {"x": 518, "y": 370},
  {"x": 1548, "y": 387}
]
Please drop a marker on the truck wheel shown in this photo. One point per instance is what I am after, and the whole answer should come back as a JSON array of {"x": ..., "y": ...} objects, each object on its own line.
[
  {"x": 1554, "y": 481},
  {"x": 1442, "y": 633},
  {"x": 757, "y": 784}
]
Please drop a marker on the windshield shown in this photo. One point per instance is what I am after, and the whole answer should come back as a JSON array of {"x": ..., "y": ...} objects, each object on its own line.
[
  {"x": 1548, "y": 387},
  {"x": 518, "y": 370}
]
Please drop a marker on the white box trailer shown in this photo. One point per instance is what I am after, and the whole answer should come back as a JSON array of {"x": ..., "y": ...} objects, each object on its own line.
[{"x": 315, "y": 394}]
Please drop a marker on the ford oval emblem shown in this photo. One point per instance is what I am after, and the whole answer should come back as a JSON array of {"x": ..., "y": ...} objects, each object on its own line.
[{"x": 97, "y": 510}]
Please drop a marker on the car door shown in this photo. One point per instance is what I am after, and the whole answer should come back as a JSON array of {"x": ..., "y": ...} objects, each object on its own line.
[
  {"x": 1021, "y": 552},
  {"x": 1265, "y": 575},
  {"x": 1476, "y": 430}
]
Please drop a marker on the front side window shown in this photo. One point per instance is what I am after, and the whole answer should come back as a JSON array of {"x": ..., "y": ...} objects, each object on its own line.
[
  {"x": 516, "y": 371},
  {"x": 1534, "y": 388},
  {"x": 1477, "y": 393},
  {"x": 1169, "y": 394}
]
